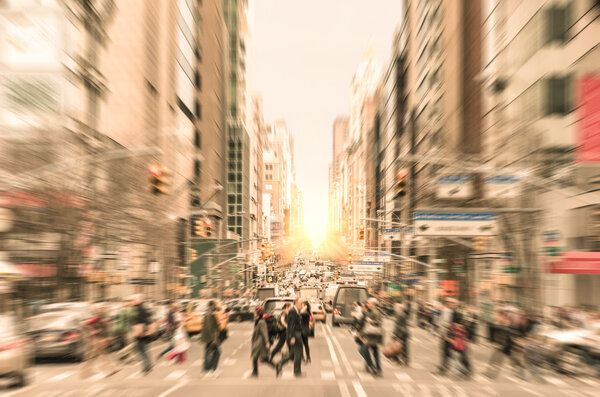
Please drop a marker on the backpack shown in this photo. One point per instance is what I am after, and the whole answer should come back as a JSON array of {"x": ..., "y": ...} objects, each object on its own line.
[{"x": 274, "y": 325}]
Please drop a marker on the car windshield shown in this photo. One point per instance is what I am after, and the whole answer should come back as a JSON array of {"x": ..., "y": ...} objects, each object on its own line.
[
  {"x": 200, "y": 307},
  {"x": 271, "y": 306},
  {"x": 346, "y": 296},
  {"x": 53, "y": 320}
]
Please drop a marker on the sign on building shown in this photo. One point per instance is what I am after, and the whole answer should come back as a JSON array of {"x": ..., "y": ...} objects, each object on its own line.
[
  {"x": 366, "y": 267},
  {"x": 393, "y": 234},
  {"x": 455, "y": 224},
  {"x": 454, "y": 186},
  {"x": 502, "y": 186}
]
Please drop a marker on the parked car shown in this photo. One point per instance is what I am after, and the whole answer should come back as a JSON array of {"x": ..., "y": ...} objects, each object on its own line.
[
  {"x": 241, "y": 311},
  {"x": 342, "y": 303},
  {"x": 15, "y": 351},
  {"x": 57, "y": 334}
]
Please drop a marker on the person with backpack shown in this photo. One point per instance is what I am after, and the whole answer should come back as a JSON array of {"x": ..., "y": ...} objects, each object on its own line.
[
  {"x": 260, "y": 343},
  {"x": 278, "y": 329}
]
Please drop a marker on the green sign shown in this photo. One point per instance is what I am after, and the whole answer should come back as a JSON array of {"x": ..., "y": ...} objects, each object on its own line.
[
  {"x": 511, "y": 269},
  {"x": 552, "y": 251}
]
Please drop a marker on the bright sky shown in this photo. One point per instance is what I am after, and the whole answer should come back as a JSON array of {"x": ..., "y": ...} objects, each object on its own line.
[{"x": 305, "y": 54}]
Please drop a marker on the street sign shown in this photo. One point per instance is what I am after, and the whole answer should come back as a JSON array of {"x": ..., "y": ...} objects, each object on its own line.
[
  {"x": 366, "y": 267},
  {"x": 454, "y": 186},
  {"x": 393, "y": 234},
  {"x": 502, "y": 186},
  {"x": 455, "y": 223}
]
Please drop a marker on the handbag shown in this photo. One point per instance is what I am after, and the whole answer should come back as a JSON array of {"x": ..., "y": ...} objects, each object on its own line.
[
  {"x": 370, "y": 330},
  {"x": 392, "y": 349}
]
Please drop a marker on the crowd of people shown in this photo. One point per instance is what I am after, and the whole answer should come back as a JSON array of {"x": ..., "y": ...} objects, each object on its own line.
[{"x": 511, "y": 332}]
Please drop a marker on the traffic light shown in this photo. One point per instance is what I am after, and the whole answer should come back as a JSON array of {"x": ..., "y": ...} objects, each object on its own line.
[
  {"x": 481, "y": 244},
  {"x": 193, "y": 254},
  {"x": 158, "y": 179},
  {"x": 350, "y": 258},
  {"x": 198, "y": 227},
  {"x": 400, "y": 188},
  {"x": 208, "y": 228},
  {"x": 361, "y": 232}
]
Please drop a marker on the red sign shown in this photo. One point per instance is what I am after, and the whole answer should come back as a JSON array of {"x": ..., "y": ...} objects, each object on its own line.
[
  {"x": 576, "y": 262},
  {"x": 588, "y": 90}
]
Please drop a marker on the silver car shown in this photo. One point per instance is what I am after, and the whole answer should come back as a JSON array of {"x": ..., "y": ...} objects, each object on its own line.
[{"x": 15, "y": 351}]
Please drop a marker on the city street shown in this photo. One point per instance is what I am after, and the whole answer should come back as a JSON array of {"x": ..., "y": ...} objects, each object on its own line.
[{"x": 336, "y": 370}]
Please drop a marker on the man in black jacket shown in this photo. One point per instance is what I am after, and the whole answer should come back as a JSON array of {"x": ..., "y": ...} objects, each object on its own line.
[{"x": 294, "y": 336}]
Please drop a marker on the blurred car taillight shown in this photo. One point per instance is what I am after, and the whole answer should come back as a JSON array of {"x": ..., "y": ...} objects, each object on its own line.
[
  {"x": 70, "y": 336},
  {"x": 12, "y": 344}
]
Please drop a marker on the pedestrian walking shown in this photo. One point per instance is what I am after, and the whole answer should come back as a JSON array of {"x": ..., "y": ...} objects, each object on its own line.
[
  {"x": 294, "y": 337},
  {"x": 458, "y": 340},
  {"x": 401, "y": 331},
  {"x": 210, "y": 337},
  {"x": 505, "y": 336},
  {"x": 180, "y": 340},
  {"x": 170, "y": 329},
  {"x": 142, "y": 331},
  {"x": 371, "y": 334},
  {"x": 261, "y": 344},
  {"x": 279, "y": 329},
  {"x": 446, "y": 319},
  {"x": 97, "y": 333},
  {"x": 306, "y": 315},
  {"x": 122, "y": 326}
]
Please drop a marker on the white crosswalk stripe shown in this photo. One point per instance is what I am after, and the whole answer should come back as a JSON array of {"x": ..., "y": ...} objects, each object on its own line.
[
  {"x": 481, "y": 379},
  {"x": 555, "y": 381},
  {"x": 287, "y": 374},
  {"x": 61, "y": 376},
  {"x": 405, "y": 389},
  {"x": 403, "y": 377},
  {"x": 589, "y": 382},
  {"x": 327, "y": 375},
  {"x": 246, "y": 374},
  {"x": 228, "y": 362},
  {"x": 175, "y": 374}
]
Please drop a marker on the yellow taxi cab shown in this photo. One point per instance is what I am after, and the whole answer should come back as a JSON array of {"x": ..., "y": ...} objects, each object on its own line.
[
  {"x": 318, "y": 312},
  {"x": 194, "y": 316}
]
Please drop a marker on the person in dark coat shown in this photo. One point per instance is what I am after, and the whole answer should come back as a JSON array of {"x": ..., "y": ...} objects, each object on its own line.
[
  {"x": 210, "y": 337},
  {"x": 401, "y": 330},
  {"x": 294, "y": 337},
  {"x": 305, "y": 315},
  {"x": 260, "y": 343},
  {"x": 369, "y": 350},
  {"x": 281, "y": 334}
]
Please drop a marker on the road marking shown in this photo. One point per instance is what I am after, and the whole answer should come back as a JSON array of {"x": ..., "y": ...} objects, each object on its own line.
[
  {"x": 405, "y": 389},
  {"x": 326, "y": 363},
  {"x": 287, "y": 374},
  {"x": 528, "y": 390},
  {"x": 418, "y": 366},
  {"x": 134, "y": 375},
  {"x": 344, "y": 392},
  {"x": 175, "y": 374},
  {"x": 327, "y": 375},
  {"x": 555, "y": 381},
  {"x": 97, "y": 376},
  {"x": 403, "y": 377},
  {"x": 441, "y": 379},
  {"x": 481, "y": 379},
  {"x": 360, "y": 392},
  {"x": 459, "y": 391},
  {"x": 334, "y": 359},
  {"x": 349, "y": 368},
  {"x": 589, "y": 382},
  {"x": 172, "y": 389},
  {"x": 246, "y": 374},
  {"x": 62, "y": 376},
  {"x": 424, "y": 391},
  {"x": 228, "y": 362},
  {"x": 198, "y": 363},
  {"x": 490, "y": 391}
]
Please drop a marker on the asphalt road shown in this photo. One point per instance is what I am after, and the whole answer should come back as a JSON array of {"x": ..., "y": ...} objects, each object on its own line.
[{"x": 337, "y": 370}]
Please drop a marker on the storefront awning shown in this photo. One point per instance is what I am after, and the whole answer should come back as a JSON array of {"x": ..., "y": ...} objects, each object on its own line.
[{"x": 576, "y": 262}]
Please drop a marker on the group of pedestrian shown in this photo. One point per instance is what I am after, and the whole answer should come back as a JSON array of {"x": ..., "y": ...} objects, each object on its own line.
[{"x": 291, "y": 330}]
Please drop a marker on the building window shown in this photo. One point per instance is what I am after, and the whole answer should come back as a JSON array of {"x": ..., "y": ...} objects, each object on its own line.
[
  {"x": 198, "y": 110},
  {"x": 558, "y": 95},
  {"x": 268, "y": 187},
  {"x": 197, "y": 139},
  {"x": 197, "y": 171},
  {"x": 557, "y": 24}
]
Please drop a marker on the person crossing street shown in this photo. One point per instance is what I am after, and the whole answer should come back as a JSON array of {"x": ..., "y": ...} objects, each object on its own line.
[
  {"x": 294, "y": 337},
  {"x": 260, "y": 343},
  {"x": 210, "y": 337}
]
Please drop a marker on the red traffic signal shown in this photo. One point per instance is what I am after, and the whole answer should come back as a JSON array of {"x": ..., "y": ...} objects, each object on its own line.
[
  {"x": 400, "y": 188},
  {"x": 158, "y": 179},
  {"x": 361, "y": 232}
]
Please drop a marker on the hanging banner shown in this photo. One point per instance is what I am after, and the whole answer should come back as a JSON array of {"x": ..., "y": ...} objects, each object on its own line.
[
  {"x": 455, "y": 223},
  {"x": 502, "y": 186}
]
